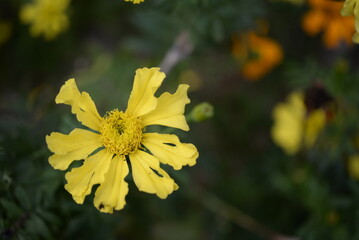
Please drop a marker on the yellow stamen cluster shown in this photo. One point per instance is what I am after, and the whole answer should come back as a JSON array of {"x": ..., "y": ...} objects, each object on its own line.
[{"x": 121, "y": 133}]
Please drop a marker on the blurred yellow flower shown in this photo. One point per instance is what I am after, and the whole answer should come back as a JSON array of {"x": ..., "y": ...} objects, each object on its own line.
[
  {"x": 324, "y": 16},
  {"x": 135, "y": 1},
  {"x": 118, "y": 138},
  {"x": 292, "y": 127},
  {"x": 353, "y": 166},
  {"x": 5, "y": 31},
  {"x": 351, "y": 8},
  {"x": 47, "y": 17},
  {"x": 257, "y": 55}
]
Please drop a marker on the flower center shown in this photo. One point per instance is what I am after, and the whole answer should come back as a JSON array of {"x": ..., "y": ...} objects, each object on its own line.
[{"x": 121, "y": 133}]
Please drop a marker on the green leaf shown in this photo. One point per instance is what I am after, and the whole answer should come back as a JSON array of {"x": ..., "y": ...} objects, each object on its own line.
[
  {"x": 49, "y": 217},
  {"x": 12, "y": 209},
  {"x": 22, "y": 198},
  {"x": 36, "y": 225}
]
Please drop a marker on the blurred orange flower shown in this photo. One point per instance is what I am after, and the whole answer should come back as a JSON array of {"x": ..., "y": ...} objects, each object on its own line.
[
  {"x": 257, "y": 55},
  {"x": 324, "y": 16}
]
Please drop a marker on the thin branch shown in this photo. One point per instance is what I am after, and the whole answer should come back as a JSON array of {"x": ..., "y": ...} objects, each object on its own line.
[
  {"x": 181, "y": 48},
  {"x": 234, "y": 215}
]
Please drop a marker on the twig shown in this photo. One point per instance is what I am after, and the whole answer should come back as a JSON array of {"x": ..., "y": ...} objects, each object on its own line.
[
  {"x": 230, "y": 213},
  {"x": 180, "y": 49}
]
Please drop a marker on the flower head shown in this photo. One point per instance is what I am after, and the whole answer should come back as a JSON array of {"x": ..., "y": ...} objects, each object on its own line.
[
  {"x": 324, "y": 16},
  {"x": 293, "y": 127},
  {"x": 47, "y": 17},
  {"x": 351, "y": 8},
  {"x": 118, "y": 139},
  {"x": 258, "y": 55}
]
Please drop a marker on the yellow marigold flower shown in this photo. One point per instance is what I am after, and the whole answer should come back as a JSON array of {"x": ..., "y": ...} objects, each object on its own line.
[
  {"x": 47, "y": 17},
  {"x": 135, "y": 1},
  {"x": 351, "y": 8},
  {"x": 324, "y": 16},
  {"x": 119, "y": 138},
  {"x": 353, "y": 166},
  {"x": 292, "y": 127},
  {"x": 258, "y": 55}
]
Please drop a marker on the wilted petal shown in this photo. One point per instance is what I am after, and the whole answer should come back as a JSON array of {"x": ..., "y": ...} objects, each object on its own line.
[
  {"x": 169, "y": 150},
  {"x": 148, "y": 175},
  {"x": 81, "y": 104},
  {"x": 67, "y": 148},
  {"x": 112, "y": 192},
  {"x": 170, "y": 109},
  {"x": 80, "y": 180}
]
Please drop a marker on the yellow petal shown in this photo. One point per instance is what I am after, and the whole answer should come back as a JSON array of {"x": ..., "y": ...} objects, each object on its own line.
[
  {"x": 170, "y": 109},
  {"x": 356, "y": 38},
  {"x": 146, "y": 83},
  {"x": 80, "y": 180},
  {"x": 67, "y": 148},
  {"x": 146, "y": 179},
  {"x": 350, "y": 8},
  {"x": 81, "y": 104},
  {"x": 314, "y": 124},
  {"x": 27, "y": 13},
  {"x": 112, "y": 192},
  {"x": 135, "y": 1},
  {"x": 353, "y": 166},
  {"x": 169, "y": 150},
  {"x": 287, "y": 131}
]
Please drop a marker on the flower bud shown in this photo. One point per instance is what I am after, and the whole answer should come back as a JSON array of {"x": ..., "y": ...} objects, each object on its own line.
[{"x": 201, "y": 112}]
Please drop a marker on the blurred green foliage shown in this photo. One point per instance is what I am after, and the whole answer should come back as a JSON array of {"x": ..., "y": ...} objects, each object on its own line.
[{"x": 309, "y": 195}]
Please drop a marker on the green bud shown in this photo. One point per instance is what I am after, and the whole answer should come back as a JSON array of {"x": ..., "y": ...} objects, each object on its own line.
[{"x": 201, "y": 112}]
